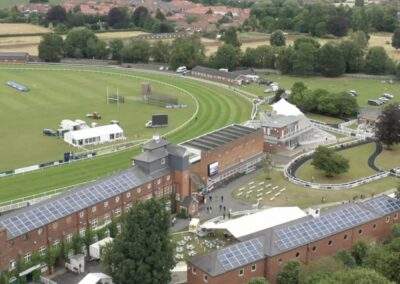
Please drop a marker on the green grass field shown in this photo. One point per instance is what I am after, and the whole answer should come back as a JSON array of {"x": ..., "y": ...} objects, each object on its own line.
[
  {"x": 389, "y": 159},
  {"x": 357, "y": 156},
  {"x": 217, "y": 107},
  {"x": 305, "y": 197},
  {"x": 57, "y": 94}
]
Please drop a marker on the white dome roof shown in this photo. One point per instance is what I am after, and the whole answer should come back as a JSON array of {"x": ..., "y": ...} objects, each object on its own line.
[{"x": 282, "y": 107}]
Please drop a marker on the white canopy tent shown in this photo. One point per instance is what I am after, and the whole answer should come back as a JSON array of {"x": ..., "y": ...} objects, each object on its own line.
[
  {"x": 283, "y": 107},
  {"x": 96, "y": 278},
  {"x": 261, "y": 220},
  {"x": 94, "y": 135}
]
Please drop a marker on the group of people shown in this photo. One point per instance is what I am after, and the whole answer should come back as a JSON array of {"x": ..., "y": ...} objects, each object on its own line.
[{"x": 222, "y": 207}]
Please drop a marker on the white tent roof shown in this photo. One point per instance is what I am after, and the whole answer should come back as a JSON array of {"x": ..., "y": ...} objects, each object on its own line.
[
  {"x": 95, "y": 131},
  {"x": 102, "y": 242},
  {"x": 285, "y": 108},
  {"x": 258, "y": 221},
  {"x": 94, "y": 278}
]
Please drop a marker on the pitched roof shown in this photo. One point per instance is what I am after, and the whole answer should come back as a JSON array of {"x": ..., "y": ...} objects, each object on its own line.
[{"x": 283, "y": 107}]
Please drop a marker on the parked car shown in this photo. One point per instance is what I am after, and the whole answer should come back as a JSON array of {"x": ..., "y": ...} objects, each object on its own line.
[
  {"x": 388, "y": 96},
  {"x": 353, "y": 93},
  {"x": 181, "y": 69}
]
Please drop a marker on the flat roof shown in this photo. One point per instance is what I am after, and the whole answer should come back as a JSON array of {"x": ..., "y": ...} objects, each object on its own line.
[
  {"x": 219, "y": 137},
  {"x": 91, "y": 132}
]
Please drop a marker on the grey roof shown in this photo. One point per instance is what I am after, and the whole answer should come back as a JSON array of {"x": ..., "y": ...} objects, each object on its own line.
[
  {"x": 155, "y": 143},
  {"x": 219, "y": 137},
  {"x": 151, "y": 156},
  {"x": 33, "y": 217},
  {"x": 177, "y": 150},
  {"x": 278, "y": 120},
  {"x": 215, "y": 72},
  {"x": 300, "y": 232}
]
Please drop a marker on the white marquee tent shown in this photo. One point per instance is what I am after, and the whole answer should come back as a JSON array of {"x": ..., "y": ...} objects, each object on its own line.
[
  {"x": 94, "y": 135},
  {"x": 283, "y": 107}
]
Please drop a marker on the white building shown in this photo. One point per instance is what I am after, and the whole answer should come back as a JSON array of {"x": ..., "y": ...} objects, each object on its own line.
[{"x": 94, "y": 135}]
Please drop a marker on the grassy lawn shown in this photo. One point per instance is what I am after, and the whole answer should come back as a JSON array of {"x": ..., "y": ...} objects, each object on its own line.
[
  {"x": 295, "y": 195},
  {"x": 366, "y": 88},
  {"x": 324, "y": 118},
  {"x": 389, "y": 159},
  {"x": 357, "y": 156},
  {"x": 256, "y": 89},
  {"x": 56, "y": 95},
  {"x": 217, "y": 107}
]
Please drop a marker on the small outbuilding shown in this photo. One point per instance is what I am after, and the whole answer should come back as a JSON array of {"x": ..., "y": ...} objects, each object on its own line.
[{"x": 94, "y": 135}]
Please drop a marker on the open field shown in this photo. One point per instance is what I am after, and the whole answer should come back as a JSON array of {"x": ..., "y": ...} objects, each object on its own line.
[
  {"x": 15, "y": 29},
  {"x": 389, "y": 159},
  {"x": 58, "y": 95},
  {"x": 295, "y": 195},
  {"x": 366, "y": 88},
  {"x": 217, "y": 107},
  {"x": 357, "y": 156}
]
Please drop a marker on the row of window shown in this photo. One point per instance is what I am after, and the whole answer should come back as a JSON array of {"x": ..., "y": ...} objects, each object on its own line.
[{"x": 253, "y": 268}]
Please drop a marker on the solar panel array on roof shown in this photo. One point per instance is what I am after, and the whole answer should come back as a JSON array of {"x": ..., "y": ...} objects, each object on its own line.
[
  {"x": 37, "y": 216},
  {"x": 383, "y": 204},
  {"x": 219, "y": 137},
  {"x": 320, "y": 227},
  {"x": 240, "y": 254}
]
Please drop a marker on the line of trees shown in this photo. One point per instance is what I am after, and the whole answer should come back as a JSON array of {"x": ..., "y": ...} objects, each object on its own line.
[
  {"x": 364, "y": 263},
  {"x": 322, "y": 18}
]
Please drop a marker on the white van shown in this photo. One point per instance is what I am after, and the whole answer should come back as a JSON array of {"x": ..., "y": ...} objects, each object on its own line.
[{"x": 181, "y": 69}]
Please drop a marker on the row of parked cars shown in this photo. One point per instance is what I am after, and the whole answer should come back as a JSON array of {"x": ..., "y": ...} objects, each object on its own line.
[{"x": 381, "y": 100}]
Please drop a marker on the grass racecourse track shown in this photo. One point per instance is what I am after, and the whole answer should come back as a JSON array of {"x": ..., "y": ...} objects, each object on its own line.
[{"x": 216, "y": 107}]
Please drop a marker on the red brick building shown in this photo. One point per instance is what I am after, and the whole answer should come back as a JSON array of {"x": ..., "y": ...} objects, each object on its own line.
[
  {"x": 306, "y": 239},
  {"x": 161, "y": 170}
]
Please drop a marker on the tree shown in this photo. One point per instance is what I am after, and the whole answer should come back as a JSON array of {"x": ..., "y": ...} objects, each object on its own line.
[
  {"x": 277, "y": 38},
  {"x": 143, "y": 252},
  {"x": 346, "y": 259},
  {"x": 398, "y": 71},
  {"x": 331, "y": 61},
  {"x": 80, "y": 43},
  {"x": 116, "y": 46},
  {"x": 316, "y": 269},
  {"x": 284, "y": 61},
  {"x": 359, "y": 252},
  {"x": 396, "y": 39},
  {"x": 118, "y": 17},
  {"x": 304, "y": 59},
  {"x": 338, "y": 26},
  {"x": 136, "y": 51},
  {"x": 88, "y": 239},
  {"x": 160, "y": 51},
  {"x": 230, "y": 37},
  {"x": 353, "y": 56},
  {"x": 51, "y": 48},
  {"x": 160, "y": 15},
  {"x": 396, "y": 227},
  {"x": 56, "y": 14},
  {"x": 289, "y": 273},
  {"x": 360, "y": 276},
  {"x": 359, "y": 3},
  {"x": 376, "y": 60},
  {"x": 258, "y": 280},
  {"x": 387, "y": 128},
  {"x": 227, "y": 56},
  {"x": 360, "y": 38},
  {"x": 187, "y": 52},
  {"x": 328, "y": 161},
  {"x": 140, "y": 16}
]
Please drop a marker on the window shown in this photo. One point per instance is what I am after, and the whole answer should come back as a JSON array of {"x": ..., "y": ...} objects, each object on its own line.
[
  {"x": 280, "y": 260},
  {"x": 162, "y": 161},
  {"x": 68, "y": 238},
  {"x": 314, "y": 248},
  {"x": 241, "y": 272},
  {"x": 387, "y": 219},
  {"x": 329, "y": 243},
  {"x": 82, "y": 232},
  {"x": 159, "y": 181},
  {"x": 253, "y": 267},
  {"x": 374, "y": 226},
  {"x": 12, "y": 264},
  {"x": 42, "y": 250},
  {"x": 81, "y": 214},
  {"x": 106, "y": 204},
  {"x": 194, "y": 271},
  {"x": 205, "y": 278},
  {"x": 117, "y": 199},
  {"x": 94, "y": 209},
  {"x": 27, "y": 257},
  {"x": 40, "y": 231},
  {"x": 55, "y": 225},
  {"x": 396, "y": 216},
  {"x": 117, "y": 211},
  {"x": 360, "y": 231},
  {"x": 345, "y": 237},
  {"x": 128, "y": 195},
  {"x": 297, "y": 254},
  {"x": 93, "y": 223},
  {"x": 56, "y": 243},
  {"x": 168, "y": 177}
]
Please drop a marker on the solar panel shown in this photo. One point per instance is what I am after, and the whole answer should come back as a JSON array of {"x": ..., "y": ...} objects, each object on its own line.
[
  {"x": 240, "y": 254},
  {"x": 327, "y": 224},
  {"x": 74, "y": 201},
  {"x": 384, "y": 204}
]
